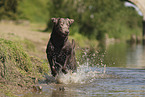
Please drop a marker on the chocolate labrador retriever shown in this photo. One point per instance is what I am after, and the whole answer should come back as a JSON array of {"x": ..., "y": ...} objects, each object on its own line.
[{"x": 60, "y": 52}]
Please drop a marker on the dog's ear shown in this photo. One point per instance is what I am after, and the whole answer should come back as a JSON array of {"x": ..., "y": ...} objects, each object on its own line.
[
  {"x": 54, "y": 20},
  {"x": 71, "y": 21}
]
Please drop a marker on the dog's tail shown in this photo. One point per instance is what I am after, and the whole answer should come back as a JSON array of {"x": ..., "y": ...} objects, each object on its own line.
[
  {"x": 74, "y": 67},
  {"x": 73, "y": 43}
]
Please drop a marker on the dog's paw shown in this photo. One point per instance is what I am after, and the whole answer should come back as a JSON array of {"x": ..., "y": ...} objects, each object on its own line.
[
  {"x": 53, "y": 71},
  {"x": 64, "y": 70}
]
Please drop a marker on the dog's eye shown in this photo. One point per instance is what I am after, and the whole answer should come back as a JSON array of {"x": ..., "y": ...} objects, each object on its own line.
[
  {"x": 68, "y": 23},
  {"x": 61, "y": 24}
]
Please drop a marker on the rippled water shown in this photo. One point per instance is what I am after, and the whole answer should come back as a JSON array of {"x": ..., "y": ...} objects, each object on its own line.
[{"x": 117, "y": 72}]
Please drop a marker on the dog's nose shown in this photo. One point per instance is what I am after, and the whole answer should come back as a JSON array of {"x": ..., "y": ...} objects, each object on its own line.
[{"x": 66, "y": 32}]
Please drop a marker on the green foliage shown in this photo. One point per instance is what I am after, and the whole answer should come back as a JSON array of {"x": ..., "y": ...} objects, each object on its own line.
[
  {"x": 80, "y": 40},
  {"x": 93, "y": 18},
  {"x": 33, "y": 10},
  {"x": 83, "y": 42},
  {"x": 8, "y": 9}
]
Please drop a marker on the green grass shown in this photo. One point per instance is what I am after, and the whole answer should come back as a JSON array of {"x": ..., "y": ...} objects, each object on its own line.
[
  {"x": 12, "y": 52},
  {"x": 83, "y": 42},
  {"x": 28, "y": 45}
]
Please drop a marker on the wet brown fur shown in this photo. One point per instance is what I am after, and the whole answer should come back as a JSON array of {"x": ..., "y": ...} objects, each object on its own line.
[{"x": 60, "y": 52}]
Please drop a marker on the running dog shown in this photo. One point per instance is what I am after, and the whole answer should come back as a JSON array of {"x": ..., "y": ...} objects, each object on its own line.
[{"x": 60, "y": 52}]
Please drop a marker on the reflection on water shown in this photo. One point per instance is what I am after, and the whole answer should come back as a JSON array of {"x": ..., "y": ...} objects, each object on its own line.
[
  {"x": 116, "y": 71},
  {"x": 116, "y": 55},
  {"x": 125, "y": 55},
  {"x": 136, "y": 56}
]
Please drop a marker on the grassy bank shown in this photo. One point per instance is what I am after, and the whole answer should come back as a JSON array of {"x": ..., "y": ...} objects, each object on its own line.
[{"x": 18, "y": 70}]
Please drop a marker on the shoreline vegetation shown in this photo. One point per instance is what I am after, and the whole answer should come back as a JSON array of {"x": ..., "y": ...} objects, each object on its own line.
[{"x": 21, "y": 62}]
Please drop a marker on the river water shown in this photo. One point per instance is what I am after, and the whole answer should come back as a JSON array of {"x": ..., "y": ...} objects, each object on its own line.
[{"x": 117, "y": 70}]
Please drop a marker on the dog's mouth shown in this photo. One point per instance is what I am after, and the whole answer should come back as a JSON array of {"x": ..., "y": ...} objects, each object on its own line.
[{"x": 64, "y": 34}]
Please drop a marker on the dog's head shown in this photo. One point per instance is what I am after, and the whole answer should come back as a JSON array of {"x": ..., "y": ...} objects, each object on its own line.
[{"x": 62, "y": 25}]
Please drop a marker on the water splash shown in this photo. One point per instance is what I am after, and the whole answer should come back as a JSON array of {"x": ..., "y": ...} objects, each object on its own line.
[
  {"x": 91, "y": 67},
  {"x": 84, "y": 74}
]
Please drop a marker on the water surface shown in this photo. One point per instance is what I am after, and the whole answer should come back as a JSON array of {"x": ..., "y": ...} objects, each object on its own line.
[{"x": 116, "y": 71}]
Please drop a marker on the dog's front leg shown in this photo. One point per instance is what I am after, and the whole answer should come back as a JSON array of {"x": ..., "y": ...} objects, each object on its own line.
[
  {"x": 64, "y": 66},
  {"x": 51, "y": 62}
]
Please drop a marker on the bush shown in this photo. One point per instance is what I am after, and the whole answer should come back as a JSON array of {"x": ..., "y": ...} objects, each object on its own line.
[
  {"x": 94, "y": 18},
  {"x": 8, "y": 9}
]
